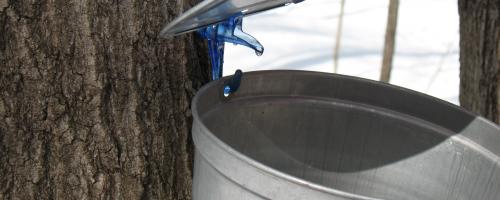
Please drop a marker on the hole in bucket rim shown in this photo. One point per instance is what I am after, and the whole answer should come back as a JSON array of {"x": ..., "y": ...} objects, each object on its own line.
[{"x": 227, "y": 91}]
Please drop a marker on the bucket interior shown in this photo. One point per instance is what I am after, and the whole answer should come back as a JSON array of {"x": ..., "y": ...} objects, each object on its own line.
[{"x": 352, "y": 146}]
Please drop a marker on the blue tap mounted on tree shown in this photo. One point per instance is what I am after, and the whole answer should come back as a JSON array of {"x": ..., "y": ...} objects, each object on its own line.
[{"x": 221, "y": 21}]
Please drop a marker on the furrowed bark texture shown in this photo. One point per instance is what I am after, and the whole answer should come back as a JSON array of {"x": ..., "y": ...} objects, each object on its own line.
[
  {"x": 480, "y": 57},
  {"x": 93, "y": 105}
]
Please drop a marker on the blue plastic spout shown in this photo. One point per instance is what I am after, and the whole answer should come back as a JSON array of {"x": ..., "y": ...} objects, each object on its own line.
[{"x": 230, "y": 30}]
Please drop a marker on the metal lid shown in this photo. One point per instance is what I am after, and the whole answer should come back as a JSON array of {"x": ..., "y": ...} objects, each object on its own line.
[{"x": 213, "y": 11}]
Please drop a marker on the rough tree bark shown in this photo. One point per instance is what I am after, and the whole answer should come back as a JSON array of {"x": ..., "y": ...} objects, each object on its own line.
[
  {"x": 480, "y": 57},
  {"x": 93, "y": 105},
  {"x": 390, "y": 41}
]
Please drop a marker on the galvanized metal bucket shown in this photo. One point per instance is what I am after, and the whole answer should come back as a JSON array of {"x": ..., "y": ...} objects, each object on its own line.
[{"x": 306, "y": 135}]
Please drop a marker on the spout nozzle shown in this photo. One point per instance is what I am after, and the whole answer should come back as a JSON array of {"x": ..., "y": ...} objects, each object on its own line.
[
  {"x": 227, "y": 31},
  {"x": 232, "y": 31}
]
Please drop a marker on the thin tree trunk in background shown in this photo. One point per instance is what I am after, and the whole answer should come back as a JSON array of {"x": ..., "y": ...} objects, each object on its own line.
[
  {"x": 480, "y": 57},
  {"x": 390, "y": 41},
  {"x": 93, "y": 105},
  {"x": 338, "y": 37}
]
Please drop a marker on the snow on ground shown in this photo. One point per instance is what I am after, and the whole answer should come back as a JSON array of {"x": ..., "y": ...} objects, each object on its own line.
[{"x": 302, "y": 37}]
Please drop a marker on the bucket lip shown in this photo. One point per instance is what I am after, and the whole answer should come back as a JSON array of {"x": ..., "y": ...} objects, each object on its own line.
[
  {"x": 355, "y": 78},
  {"x": 281, "y": 175}
]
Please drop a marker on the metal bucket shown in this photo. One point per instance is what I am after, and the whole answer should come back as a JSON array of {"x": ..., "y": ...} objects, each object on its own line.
[{"x": 306, "y": 135}]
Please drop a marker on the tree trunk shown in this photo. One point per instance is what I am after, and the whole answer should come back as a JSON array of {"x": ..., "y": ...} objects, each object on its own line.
[
  {"x": 338, "y": 38},
  {"x": 390, "y": 41},
  {"x": 480, "y": 57},
  {"x": 93, "y": 105}
]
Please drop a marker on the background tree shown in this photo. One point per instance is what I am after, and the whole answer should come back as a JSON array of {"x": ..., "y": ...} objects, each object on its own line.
[
  {"x": 338, "y": 37},
  {"x": 390, "y": 41},
  {"x": 480, "y": 57},
  {"x": 93, "y": 105}
]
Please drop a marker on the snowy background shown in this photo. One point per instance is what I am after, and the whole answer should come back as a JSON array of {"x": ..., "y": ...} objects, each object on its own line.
[{"x": 302, "y": 37}]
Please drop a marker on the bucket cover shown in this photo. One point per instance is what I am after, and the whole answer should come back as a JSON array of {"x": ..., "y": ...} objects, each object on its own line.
[{"x": 214, "y": 11}]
